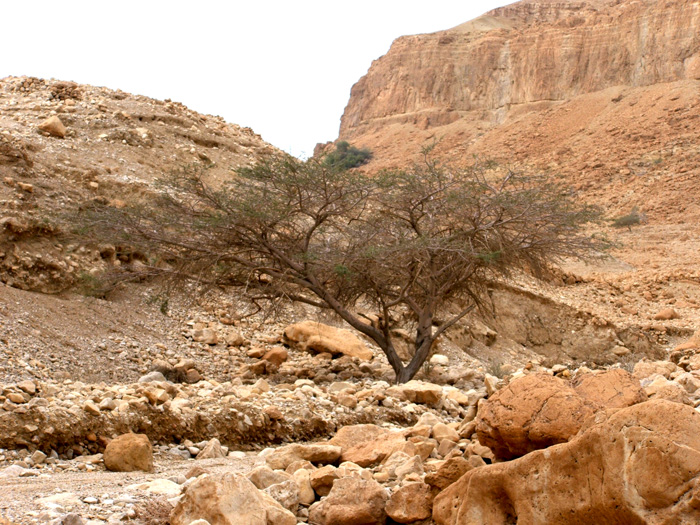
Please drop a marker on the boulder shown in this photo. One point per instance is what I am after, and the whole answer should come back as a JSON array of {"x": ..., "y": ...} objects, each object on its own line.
[
  {"x": 302, "y": 478},
  {"x": 129, "y": 452},
  {"x": 661, "y": 388},
  {"x": 229, "y": 499},
  {"x": 412, "y": 502},
  {"x": 666, "y": 314},
  {"x": 322, "y": 479},
  {"x": 352, "y": 501},
  {"x": 282, "y": 457},
  {"x": 610, "y": 389},
  {"x": 263, "y": 476},
  {"x": 205, "y": 335},
  {"x": 370, "y": 453},
  {"x": 533, "y": 412},
  {"x": 417, "y": 392},
  {"x": 286, "y": 494},
  {"x": 321, "y": 338},
  {"x": 644, "y": 369},
  {"x": 276, "y": 356},
  {"x": 449, "y": 472},
  {"x": 639, "y": 464},
  {"x": 212, "y": 450},
  {"x": 54, "y": 127}
]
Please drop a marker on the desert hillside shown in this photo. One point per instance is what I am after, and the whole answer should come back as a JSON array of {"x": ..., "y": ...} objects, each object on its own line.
[
  {"x": 569, "y": 399},
  {"x": 605, "y": 93}
]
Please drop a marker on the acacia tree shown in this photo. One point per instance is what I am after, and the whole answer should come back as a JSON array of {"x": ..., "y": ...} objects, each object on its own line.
[{"x": 402, "y": 242}]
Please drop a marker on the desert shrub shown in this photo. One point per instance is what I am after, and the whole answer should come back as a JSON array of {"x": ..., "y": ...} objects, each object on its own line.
[{"x": 346, "y": 156}]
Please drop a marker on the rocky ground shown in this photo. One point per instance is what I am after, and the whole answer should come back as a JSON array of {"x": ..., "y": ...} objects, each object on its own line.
[{"x": 245, "y": 406}]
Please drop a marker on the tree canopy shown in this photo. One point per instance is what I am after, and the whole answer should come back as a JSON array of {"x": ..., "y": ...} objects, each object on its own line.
[{"x": 402, "y": 244}]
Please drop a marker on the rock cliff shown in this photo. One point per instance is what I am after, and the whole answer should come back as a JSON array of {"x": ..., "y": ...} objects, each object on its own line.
[{"x": 604, "y": 92}]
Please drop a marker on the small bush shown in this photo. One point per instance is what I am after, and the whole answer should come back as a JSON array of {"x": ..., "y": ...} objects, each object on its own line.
[
  {"x": 346, "y": 156},
  {"x": 627, "y": 221}
]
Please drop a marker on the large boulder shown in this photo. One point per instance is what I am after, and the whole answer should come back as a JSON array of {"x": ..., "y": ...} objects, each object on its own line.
[
  {"x": 129, "y": 452},
  {"x": 639, "y": 464},
  {"x": 533, "y": 412},
  {"x": 352, "y": 501},
  {"x": 614, "y": 388},
  {"x": 417, "y": 392},
  {"x": 230, "y": 499},
  {"x": 412, "y": 502},
  {"x": 315, "y": 453},
  {"x": 370, "y": 452},
  {"x": 321, "y": 338}
]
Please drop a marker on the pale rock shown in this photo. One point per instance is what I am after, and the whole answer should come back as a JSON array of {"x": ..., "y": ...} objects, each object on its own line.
[
  {"x": 129, "y": 452},
  {"x": 286, "y": 494},
  {"x": 439, "y": 359},
  {"x": 161, "y": 487},
  {"x": 352, "y": 501},
  {"x": 412, "y": 466},
  {"x": 91, "y": 408},
  {"x": 412, "y": 502},
  {"x": 229, "y": 499},
  {"x": 318, "y": 337},
  {"x": 205, "y": 335},
  {"x": 637, "y": 464},
  {"x": 644, "y": 369},
  {"x": 282, "y": 457},
  {"x": 54, "y": 127},
  {"x": 212, "y": 450},
  {"x": 302, "y": 478},
  {"x": 416, "y": 391},
  {"x": 441, "y": 431},
  {"x": 263, "y": 476}
]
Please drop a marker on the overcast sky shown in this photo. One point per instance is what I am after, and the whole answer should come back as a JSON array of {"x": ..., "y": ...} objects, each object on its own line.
[{"x": 284, "y": 68}]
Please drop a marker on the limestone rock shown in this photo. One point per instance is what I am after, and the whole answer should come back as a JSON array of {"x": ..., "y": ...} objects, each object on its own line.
[
  {"x": 648, "y": 368},
  {"x": 263, "y": 476},
  {"x": 534, "y": 411},
  {"x": 211, "y": 450},
  {"x": 352, "y": 501},
  {"x": 302, "y": 478},
  {"x": 284, "y": 456},
  {"x": 449, "y": 472},
  {"x": 205, "y": 335},
  {"x": 639, "y": 464},
  {"x": 286, "y": 494},
  {"x": 54, "y": 127},
  {"x": 611, "y": 389},
  {"x": 412, "y": 502},
  {"x": 370, "y": 453},
  {"x": 662, "y": 388},
  {"x": 318, "y": 337},
  {"x": 230, "y": 499},
  {"x": 129, "y": 452},
  {"x": 666, "y": 315},
  {"x": 417, "y": 392},
  {"x": 276, "y": 355}
]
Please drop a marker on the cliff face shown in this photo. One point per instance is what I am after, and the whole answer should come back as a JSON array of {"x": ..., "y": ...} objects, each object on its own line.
[
  {"x": 606, "y": 93},
  {"x": 525, "y": 53}
]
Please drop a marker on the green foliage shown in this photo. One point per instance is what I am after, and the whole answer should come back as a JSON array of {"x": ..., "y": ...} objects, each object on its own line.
[
  {"x": 346, "y": 156},
  {"x": 403, "y": 243}
]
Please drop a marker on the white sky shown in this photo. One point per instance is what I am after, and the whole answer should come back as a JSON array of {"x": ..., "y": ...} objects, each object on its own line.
[{"x": 284, "y": 68}]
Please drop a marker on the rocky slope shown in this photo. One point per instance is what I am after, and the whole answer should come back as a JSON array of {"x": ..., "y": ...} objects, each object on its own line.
[
  {"x": 605, "y": 93},
  {"x": 64, "y": 144}
]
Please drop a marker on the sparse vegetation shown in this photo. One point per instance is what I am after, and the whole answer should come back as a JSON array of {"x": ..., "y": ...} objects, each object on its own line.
[
  {"x": 629, "y": 220},
  {"x": 346, "y": 156},
  {"x": 402, "y": 244}
]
